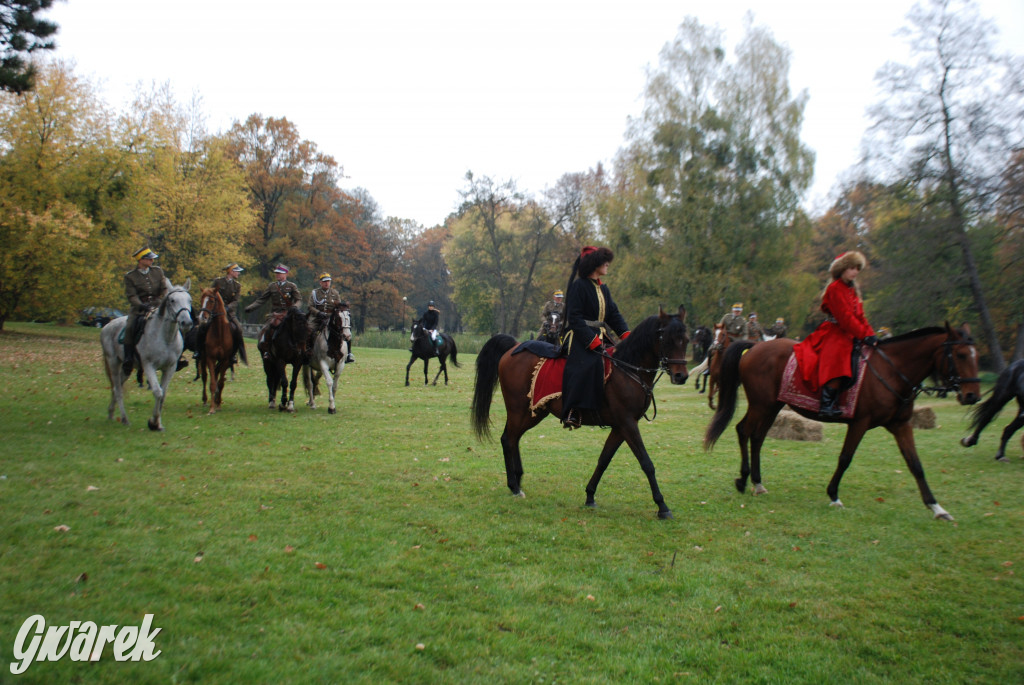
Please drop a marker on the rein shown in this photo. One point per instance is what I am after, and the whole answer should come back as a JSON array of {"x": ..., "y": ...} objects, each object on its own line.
[
  {"x": 632, "y": 372},
  {"x": 952, "y": 380}
]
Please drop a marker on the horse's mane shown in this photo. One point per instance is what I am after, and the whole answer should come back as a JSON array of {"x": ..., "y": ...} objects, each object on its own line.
[
  {"x": 919, "y": 333},
  {"x": 641, "y": 340}
]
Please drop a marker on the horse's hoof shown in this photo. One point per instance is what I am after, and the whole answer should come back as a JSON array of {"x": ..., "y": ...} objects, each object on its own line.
[
  {"x": 154, "y": 426},
  {"x": 838, "y": 504},
  {"x": 590, "y": 503},
  {"x": 520, "y": 494},
  {"x": 741, "y": 484},
  {"x": 667, "y": 514},
  {"x": 332, "y": 410},
  {"x": 1002, "y": 458},
  {"x": 211, "y": 412},
  {"x": 966, "y": 442},
  {"x": 271, "y": 406},
  {"x": 760, "y": 489},
  {"x": 945, "y": 516}
]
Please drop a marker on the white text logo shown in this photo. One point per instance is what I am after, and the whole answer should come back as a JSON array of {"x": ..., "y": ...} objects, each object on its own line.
[{"x": 81, "y": 641}]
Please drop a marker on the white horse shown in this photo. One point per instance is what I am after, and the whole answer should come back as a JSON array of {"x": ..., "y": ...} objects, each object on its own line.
[
  {"x": 327, "y": 358},
  {"x": 159, "y": 348}
]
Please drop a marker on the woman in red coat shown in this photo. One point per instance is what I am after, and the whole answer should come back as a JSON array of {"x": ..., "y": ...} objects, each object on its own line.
[{"x": 824, "y": 357}]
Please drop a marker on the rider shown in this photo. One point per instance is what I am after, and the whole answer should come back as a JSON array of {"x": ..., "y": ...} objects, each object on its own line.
[
  {"x": 144, "y": 286},
  {"x": 824, "y": 356},
  {"x": 325, "y": 299},
  {"x": 734, "y": 324},
  {"x": 283, "y": 294},
  {"x": 229, "y": 289},
  {"x": 552, "y": 308},
  {"x": 777, "y": 329},
  {"x": 429, "y": 321},
  {"x": 591, "y": 312},
  {"x": 754, "y": 332}
]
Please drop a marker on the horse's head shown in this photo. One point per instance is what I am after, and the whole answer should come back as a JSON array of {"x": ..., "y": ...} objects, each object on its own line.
[
  {"x": 179, "y": 303},
  {"x": 672, "y": 343},
  {"x": 719, "y": 336},
  {"x": 958, "y": 364},
  {"x": 211, "y": 304}
]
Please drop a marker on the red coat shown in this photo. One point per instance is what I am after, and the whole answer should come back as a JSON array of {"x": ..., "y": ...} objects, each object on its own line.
[{"x": 825, "y": 353}]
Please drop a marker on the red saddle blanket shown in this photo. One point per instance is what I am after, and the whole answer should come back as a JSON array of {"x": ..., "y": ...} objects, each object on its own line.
[
  {"x": 794, "y": 391},
  {"x": 546, "y": 384}
]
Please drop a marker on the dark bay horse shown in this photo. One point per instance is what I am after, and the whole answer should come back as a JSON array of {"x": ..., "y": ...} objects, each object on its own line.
[
  {"x": 1009, "y": 385},
  {"x": 423, "y": 348},
  {"x": 218, "y": 345},
  {"x": 657, "y": 344},
  {"x": 286, "y": 345},
  {"x": 701, "y": 342},
  {"x": 893, "y": 379}
]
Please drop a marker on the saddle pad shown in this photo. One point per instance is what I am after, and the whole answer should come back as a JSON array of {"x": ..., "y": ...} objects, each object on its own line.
[
  {"x": 539, "y": 348},
  {"x": 546, "y": 384},
  {"x": 796, "y": 392}
]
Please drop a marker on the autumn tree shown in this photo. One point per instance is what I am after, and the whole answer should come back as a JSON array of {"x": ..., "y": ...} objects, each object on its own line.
[
  {"x": 501, "y": 240},
  {"x": 705, "y": 203},
  {"x": 947, "y": 124},
  {"x": 22, "y": 32},
  {"x": 293, "y": 189},
  {"x": 55, "y": 151}
]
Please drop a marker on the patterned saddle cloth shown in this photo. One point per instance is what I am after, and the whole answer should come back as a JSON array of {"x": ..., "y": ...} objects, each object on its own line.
[
  {"x": 794, "y": 391},
  {"x": 546, "y": 383}
]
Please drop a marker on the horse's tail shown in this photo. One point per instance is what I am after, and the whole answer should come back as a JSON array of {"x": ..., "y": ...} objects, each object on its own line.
[
  {"x": 486, "y": 378},
  {"x": 455, "y": 353},
  {"x": 728, "y": 391},
  {"x": 1002, "y": 392}
]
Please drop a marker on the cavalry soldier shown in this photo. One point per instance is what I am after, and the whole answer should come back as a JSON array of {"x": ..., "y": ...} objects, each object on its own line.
[
  {"x": 594, "y": 321},
  {"x": 430, "y": 320},
  {"x": 325, "y": 299},
  {"x": 777, "y": 329},
  {"x": 734, "y": 323},
  {"x": 824, "y": 356},
  {"x": 552, "y": 308},
  {"x": 229, "y": 289},
  {"x": 144, "y": 286},
  {"x": 283, "y": 295},
  {"x": 754, "y": 332}
]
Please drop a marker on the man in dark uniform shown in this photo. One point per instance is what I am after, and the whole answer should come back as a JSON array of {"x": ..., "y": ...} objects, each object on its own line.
[
  {"x": 144, "y": 286},
  {"x": 754, "y": 332},
  {"x": 734, "y": 324},
  {"x": 778, "y": 329},
  {"x": 430, "y": 320},
  {"x": 551, "y": 317},
  {"x": 325, "y": 299},
  {"x": 229, "y": 289},
  {"x": 283, "y": 294}
]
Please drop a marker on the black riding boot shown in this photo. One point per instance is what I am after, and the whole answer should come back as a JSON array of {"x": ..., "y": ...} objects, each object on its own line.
[
  {"x": 129, "y": 359},
  {"x": 829, "y": 397}
]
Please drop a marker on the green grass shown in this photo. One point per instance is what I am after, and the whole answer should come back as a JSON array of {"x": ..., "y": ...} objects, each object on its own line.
[{"x": 217, "y": 527}]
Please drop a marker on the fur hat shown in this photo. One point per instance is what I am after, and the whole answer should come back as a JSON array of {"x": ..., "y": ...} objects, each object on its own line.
[
  {"x": 593, "y": 257},
  {"x": 844, "y": 262}
]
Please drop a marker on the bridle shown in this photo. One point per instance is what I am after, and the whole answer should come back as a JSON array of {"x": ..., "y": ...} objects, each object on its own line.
[
  {"x": 952, "y": 381},
  {"x": 213, "y": 314},
  {"x": 633, "y": 371}
]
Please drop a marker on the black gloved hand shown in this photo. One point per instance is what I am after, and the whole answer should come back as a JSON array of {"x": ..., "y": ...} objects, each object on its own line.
[{"x": 871, "y": 341}]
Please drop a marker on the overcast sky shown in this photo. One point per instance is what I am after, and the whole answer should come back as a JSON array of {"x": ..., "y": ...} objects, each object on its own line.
[{"x": 408, "y": 95}]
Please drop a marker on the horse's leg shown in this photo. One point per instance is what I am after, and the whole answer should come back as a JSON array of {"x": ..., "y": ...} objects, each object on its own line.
[
  {"x": 758, "y": 431},
  {"x": 904, "y": 435},
  {"x": 325, "y": 373},
  {"x": 854, "y": 434},
  {"x": 426, "y": 365},
  {"x": 159, "y": 392},
  {"x": 444, "y": 368},
  {"x": 117, "y": 379},
  {"x": 513, "y": 460},
  {"x": 743, "y": 437},
  {"x": 333, "y": 385},
  {"x": 1008, "y": 432},
  {"x": 308, "y": 384},
  {"x": 631, "y": 432},
  {"x": 407, "y": 367},
  {"x": 611, "y": 444},
  {"x": 291, "y": 387}
]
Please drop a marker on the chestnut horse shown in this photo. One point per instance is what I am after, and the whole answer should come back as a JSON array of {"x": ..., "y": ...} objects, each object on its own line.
[
  {"x": 658, "y": 344},
  {"x": 710, "y": 369},
  {"x": 218, "y": 345},
  {"x": 893, "y": 378}
]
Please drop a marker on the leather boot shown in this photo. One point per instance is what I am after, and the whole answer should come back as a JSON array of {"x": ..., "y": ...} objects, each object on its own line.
[
  {"x": 829, "y": 397},
  {"x": 129, "y": 359}
]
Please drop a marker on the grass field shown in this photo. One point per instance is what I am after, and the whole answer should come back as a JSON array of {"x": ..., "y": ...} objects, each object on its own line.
[{"x": 381, "y": 544}]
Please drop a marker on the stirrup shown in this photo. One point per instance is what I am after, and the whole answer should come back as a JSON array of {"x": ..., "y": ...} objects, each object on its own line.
[{"x": 572, "y": 420}]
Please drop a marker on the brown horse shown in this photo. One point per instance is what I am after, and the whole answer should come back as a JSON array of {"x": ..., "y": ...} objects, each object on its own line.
[
  {"x": 657, "y": 344},
  {"x": 893, "y": 378},
  {"x": 710, "y": 369},
  {"x": 218, "y": 345}
]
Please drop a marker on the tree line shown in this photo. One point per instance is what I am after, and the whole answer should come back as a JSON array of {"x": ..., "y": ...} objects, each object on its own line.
[{"x": 701, "y": 204}]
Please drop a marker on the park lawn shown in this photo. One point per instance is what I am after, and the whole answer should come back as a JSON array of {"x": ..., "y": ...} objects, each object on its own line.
[{"x": 382, "y": 545}]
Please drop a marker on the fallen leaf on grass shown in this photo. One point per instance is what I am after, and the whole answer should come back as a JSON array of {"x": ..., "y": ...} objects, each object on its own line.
[
  {"x": 61, "y": 528},
  {"x": 591, "y": 598},
  {"x": 419, "y": 607},
  {"x": 718, "y": 608},
  {"x": 420, "y": 646},
  {"x": 199, "y": 557},
  {"x": 320, "y": 565},
  {"x": 288, "y": 549},
  {"x": 253, "y": 538},
  {"x": 91, "y": 488}
]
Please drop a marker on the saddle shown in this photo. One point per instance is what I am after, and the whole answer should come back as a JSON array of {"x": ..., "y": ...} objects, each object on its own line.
[
  {"x": 546, "y": 382},
  {"x": 794, "y": 391},
  {"x": 140, "y": 327}
]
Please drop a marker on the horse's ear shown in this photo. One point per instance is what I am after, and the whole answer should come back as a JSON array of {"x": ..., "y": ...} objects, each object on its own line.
[
  {"x": 188, "y": 283},
  {"x": 661, "y": 311},
  {"x": 682, "y": 313},
  {"x": 966, "y": 328}
]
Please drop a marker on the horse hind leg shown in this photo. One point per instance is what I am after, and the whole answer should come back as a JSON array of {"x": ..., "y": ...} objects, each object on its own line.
[
  {"x": 513, "y": 461},
  {"x": 1008, "y": 432}
]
